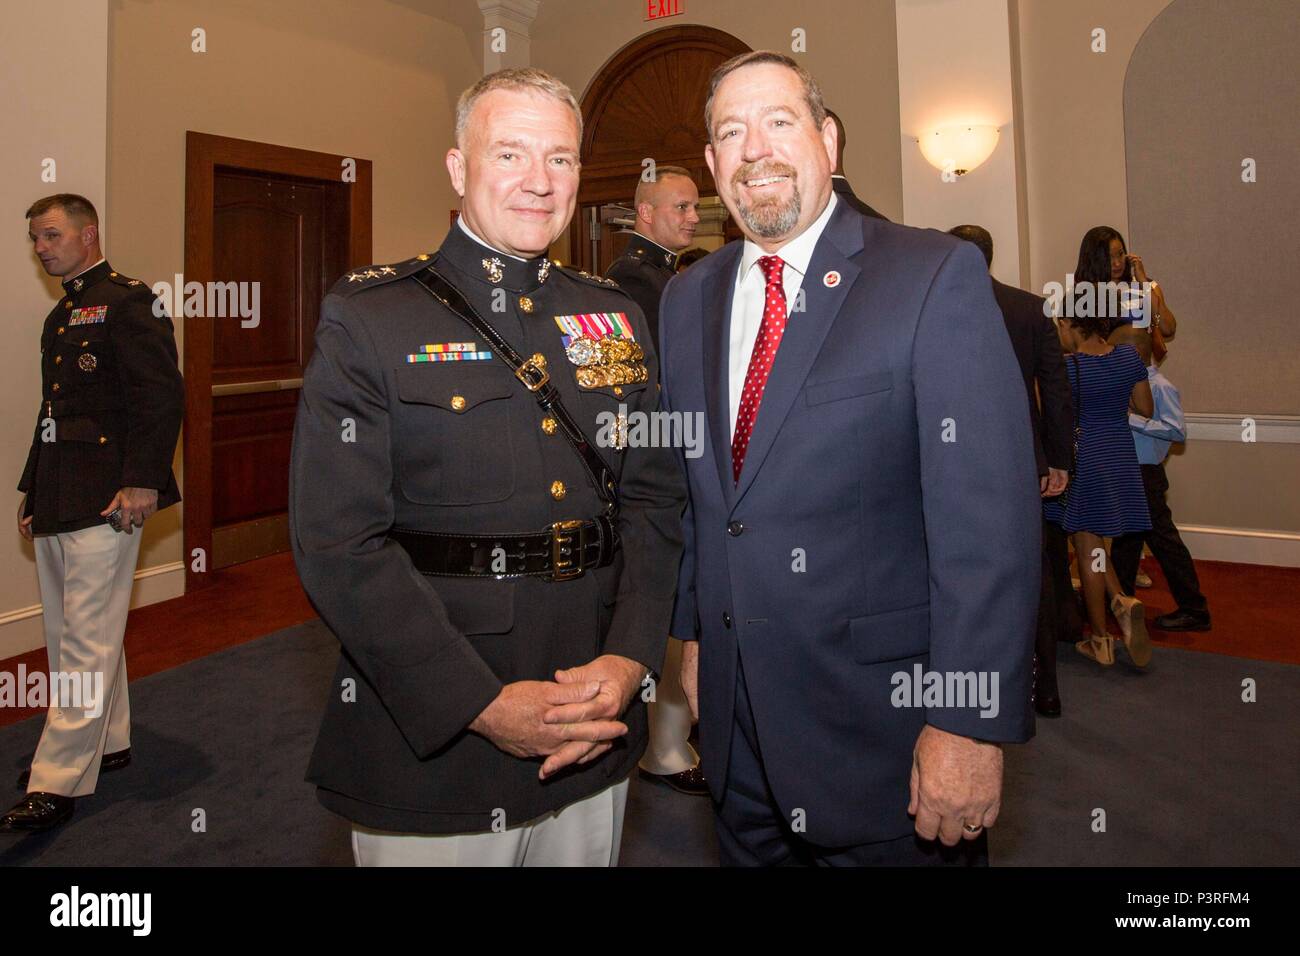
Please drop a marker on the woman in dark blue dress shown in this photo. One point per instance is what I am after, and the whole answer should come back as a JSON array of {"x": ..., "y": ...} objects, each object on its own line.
[{"x": 1105, "y": 497}]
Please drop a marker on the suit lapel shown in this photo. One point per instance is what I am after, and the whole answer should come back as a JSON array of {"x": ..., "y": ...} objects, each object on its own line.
[
  {"x": 805, "y": 333},
  {"x": 716, "y": 330}
]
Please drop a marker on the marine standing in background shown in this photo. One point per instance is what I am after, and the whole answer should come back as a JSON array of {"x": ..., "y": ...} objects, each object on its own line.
[
  {"x": 112, "y": 400},
  {"x": 667, "y": 212}
]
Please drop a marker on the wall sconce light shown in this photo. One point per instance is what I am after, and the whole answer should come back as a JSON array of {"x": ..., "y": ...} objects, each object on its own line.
[{"x": 959, "y": 149}]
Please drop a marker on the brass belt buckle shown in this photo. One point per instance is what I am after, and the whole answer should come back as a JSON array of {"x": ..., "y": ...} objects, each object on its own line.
[
  {"x": 562, "y": 534},
  {"x": 533, "y": 373}
]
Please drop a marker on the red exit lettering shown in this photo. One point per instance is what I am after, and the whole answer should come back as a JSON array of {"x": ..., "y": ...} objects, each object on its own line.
[{"x": 655, "y": 9}]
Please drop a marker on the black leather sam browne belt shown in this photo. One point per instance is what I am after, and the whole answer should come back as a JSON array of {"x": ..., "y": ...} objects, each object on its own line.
[{"x": 564, "y": 550}]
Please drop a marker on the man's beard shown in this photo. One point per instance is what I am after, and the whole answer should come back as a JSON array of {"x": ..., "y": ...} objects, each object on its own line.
[{"x": 769, "y": 218}]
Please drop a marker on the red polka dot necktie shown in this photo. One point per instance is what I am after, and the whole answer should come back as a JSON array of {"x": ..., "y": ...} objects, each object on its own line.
[{"x": 760, "y": 360}]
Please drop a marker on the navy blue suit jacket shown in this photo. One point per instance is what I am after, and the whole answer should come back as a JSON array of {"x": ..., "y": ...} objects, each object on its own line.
[{"x": 892, "y": 460}]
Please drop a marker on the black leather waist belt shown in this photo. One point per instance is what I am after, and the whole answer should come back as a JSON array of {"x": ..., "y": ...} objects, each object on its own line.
[{"x": 564, "y": 551}]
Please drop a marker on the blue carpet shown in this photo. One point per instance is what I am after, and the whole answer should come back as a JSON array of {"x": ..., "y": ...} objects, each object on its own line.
[{"x": 1185, "y": 772}]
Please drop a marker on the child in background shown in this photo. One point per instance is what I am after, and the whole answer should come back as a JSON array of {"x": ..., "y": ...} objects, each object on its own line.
[{"x": 1152, "y": 438}]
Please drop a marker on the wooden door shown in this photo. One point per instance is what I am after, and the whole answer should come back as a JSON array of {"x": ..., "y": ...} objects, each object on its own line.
[
  {"x": 272, "y": 230},
  {"x": 292, "y": 222}
]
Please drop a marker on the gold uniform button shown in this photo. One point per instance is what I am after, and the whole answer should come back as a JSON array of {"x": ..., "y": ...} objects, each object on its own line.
[
  {"x": 58, "y": 359},
  {"x": 549, "y": 425},
  {"x": 84, "y": 343},
  {"x": 113, "y": 274},
  {"x": 617, "y": 390},
  {"x": 60, "y": 330},
  {"x": 526, "y": 304},
  {"x": 54, "y": 387},
  {"x": 458, "y": 402},
  {"x": 103, "y": 440},
  {"x": 423, "y": 257},
  {"x": 68, "y": 304},
  {"x": 558, "y": 490}
]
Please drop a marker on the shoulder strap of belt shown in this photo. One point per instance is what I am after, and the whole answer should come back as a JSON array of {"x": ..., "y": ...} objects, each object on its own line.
[{"x": 533, "y": 377}]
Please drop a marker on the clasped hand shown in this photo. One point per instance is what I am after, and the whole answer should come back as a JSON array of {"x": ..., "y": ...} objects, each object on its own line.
[{"x": 572, "y": 720}]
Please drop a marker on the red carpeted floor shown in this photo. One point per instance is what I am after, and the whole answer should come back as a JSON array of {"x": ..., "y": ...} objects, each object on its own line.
[{"x": 1255, "y": 611}]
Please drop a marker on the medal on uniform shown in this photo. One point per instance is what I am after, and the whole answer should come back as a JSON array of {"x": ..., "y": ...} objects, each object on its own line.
[
  {"x": 604, "y": 349},
  {"x": 620, "y": 432},
  {"x": 88, "y": 315},
  {"x": 86, "y": 362},
  {"x": 449, "y": 352}
]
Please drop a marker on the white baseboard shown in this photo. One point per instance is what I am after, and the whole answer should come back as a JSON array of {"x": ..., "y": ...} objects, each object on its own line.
[
  {"x": 21, "y": 630},
  {"x": 1242, "y": 546},
  {"x": 1217, "y": 426}
]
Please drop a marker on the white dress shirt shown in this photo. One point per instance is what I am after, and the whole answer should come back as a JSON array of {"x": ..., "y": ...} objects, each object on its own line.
[{"x": 748, "y": 301}]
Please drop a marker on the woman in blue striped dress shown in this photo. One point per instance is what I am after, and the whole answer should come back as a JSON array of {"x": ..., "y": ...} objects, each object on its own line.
[{"x": 1105, "y": 497}]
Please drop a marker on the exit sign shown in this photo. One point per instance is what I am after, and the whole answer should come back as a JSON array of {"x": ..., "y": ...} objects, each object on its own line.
[{"x": 657, "y": 9}]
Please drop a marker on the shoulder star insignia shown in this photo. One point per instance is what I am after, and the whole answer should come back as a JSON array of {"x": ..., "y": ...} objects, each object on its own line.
[
  {"x": 387, "y": 271},
  {"x": 356, "y": 276}
]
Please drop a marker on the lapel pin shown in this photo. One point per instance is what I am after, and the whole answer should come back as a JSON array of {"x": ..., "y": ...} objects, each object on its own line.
[{"x": 831, "y": 279}]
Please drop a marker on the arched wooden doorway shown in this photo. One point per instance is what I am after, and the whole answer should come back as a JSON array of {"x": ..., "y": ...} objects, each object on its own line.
[{"x": 646, "y": 101}]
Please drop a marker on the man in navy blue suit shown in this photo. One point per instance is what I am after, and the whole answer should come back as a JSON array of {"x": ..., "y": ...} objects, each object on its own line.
[{"x": 860, "y": 575}]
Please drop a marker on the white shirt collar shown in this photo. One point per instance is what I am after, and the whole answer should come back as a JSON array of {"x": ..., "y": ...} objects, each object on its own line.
[
  {"x": 796, "y": 253},
  {"x": 85, "y": 270},
  {"x": 653, "y": 243},
  {"x": 460, "y": 221}
]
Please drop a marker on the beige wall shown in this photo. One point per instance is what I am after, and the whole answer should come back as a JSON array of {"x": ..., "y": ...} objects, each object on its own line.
[
  {"x": 851, "y": 49},
  {"x": 1076, "y": 178},
  {"x": 55, "y": 59},
  {"x": 376, "y": 80},
  {"x": 1074, "y": 123}
]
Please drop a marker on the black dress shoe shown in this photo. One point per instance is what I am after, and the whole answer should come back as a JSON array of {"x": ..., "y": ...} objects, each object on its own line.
[
  {"x": 1047, "y": 704},
  {"x": 1183, "y": 621},
  {"x": 1043, "y": 693},
  {"x": 38, "y": 811},
  {"x": 690, "y": 782},
  {"x": 109, "y": 762}
]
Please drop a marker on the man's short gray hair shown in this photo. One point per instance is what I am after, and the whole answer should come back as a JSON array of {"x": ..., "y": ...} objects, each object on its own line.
[
  {"x": 526, "y": 78},
  {"x": 812, "y": 93}
]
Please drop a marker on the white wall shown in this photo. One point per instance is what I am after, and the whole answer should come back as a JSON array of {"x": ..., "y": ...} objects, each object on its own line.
[
  {"x": 54, "y": 72},
  {"x": 954, "y": 68}
]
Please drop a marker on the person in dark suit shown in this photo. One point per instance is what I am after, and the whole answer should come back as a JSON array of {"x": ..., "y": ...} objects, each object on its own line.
[
  {"x": 840, "y": 182},
  {"x": 667, "y": 212},
  {"x": 100, "y": 464},
  {"x": 863, "y": 519},
  {"x": 483, "y": 558},
  {"x": 1038, "y": 351}
]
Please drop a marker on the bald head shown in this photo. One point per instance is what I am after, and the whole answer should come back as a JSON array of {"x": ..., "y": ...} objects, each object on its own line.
[
  {"x": 1140, "y": 339},
  {"x": 667, "y": 208}
]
